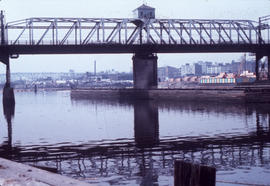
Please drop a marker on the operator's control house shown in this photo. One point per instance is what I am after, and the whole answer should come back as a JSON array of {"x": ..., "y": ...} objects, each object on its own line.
[{"x": 144, "y": 12}]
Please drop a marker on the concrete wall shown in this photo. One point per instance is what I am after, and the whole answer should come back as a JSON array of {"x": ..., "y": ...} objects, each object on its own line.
[
  {"x": 218, "y": 94},
  {"x": 221, "y": 95},
  {"x": 144, "y": 71}
]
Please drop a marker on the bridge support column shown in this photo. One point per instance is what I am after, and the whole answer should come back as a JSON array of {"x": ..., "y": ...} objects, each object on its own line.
[
  {"x": 268, "y": 67},
  {"x": 4, "y": 58},
  {"x": 258, "y": 58},
  {"x": 144, "y": 71},
  {"x": 8, "y": 93}
]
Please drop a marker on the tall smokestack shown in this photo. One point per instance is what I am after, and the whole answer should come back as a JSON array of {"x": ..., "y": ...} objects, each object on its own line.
[{"x": 95, "y": 68}]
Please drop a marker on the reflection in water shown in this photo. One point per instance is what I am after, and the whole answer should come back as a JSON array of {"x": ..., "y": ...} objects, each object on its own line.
[
  {"x": 146, "y": 126},
  {"x": 9, "y": 110},
  {"x": 147, "y": 159},
  {"x": 146, "y": 129}
]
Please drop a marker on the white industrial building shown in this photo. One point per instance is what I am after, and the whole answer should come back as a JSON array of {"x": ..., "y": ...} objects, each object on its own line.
[{"x": 193, "y": 69}]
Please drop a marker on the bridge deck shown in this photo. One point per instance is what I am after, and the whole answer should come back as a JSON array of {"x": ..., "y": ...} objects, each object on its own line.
[{"x": 120, "y": 48}]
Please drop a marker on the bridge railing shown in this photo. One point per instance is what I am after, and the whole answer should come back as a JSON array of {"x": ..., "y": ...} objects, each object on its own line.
[
  {"x": 85, "y": 31},
  {"x": 72, "y": 42}
]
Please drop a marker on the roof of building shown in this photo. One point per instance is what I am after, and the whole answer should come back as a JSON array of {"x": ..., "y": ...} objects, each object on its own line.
[{"x": 144, "y": 7}]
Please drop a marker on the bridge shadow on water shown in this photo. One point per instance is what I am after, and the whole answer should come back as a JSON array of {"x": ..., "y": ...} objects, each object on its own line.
[{"x": 148, "y": 159}]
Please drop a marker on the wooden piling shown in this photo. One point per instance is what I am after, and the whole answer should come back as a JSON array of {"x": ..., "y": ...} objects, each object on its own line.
[
  {"x": 188, "y": 174},
  {"x": 35, "y": 88}
]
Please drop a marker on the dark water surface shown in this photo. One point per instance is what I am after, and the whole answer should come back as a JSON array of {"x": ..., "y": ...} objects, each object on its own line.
[{"x": 135, "y": 143}]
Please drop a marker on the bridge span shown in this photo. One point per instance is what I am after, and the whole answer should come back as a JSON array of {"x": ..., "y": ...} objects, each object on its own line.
[{"x": 142, "y": 37}]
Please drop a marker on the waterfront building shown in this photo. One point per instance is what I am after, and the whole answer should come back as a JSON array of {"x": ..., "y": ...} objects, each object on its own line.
[
  {"x": 191, "y": 69},
  {"x": 197, "y": 69},
  {"x": 222, "y": 78},
  {"x": 250, "y": 66},
  {"x": 168, "y": 72},
  {"x": 204, "y": 66},
  {"x": 214, "y": 69},
  {"x": 186, "y": 69},
  {"x": 236, "y": 67},
  {"x": 226, "y": 68}
]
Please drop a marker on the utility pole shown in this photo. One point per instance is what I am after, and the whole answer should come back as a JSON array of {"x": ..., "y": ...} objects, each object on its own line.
[
  {"x": 245, "y": 58},
  {"x": 259, "y": 31}
]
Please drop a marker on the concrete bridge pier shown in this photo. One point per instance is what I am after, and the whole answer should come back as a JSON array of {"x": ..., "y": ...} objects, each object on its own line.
[
  {"x": 8, "y": 92},
  {"x": 145, "y": 71},
  {"x": 268, "y": 67},
  {"x": 4, "y": 58}
]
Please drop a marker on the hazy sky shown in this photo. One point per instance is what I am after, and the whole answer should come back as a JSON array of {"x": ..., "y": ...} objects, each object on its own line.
[{"x": 185, "y": 9}]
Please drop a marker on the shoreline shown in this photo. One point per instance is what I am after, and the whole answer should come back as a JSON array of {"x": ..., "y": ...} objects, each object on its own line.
[
  {"x": 13, "y": 173},
  {"x": 247, "y": 94},
  {"x": 243, "y": 93}
]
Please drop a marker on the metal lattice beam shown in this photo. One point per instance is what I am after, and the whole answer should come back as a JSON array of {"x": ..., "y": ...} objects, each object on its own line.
[{"x": 85, "y": 31}]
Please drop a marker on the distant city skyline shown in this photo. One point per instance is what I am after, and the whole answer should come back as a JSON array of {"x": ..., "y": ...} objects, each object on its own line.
[
  {"x": 164, "y": 60},
  {"x": 186, "y": 9}
]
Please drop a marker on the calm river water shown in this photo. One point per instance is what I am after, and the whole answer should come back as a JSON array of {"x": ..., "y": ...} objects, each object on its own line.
[{"x": 136, "y": 143}]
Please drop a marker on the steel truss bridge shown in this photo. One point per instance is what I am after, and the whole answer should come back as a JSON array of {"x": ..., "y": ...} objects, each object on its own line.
[
  {"x": 142, "y": 37},
  {"x": 107, "y": 35}
]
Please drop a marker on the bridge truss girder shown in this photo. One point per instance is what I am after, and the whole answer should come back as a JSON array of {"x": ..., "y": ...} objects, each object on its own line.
[{"x": 85, "y": 31}]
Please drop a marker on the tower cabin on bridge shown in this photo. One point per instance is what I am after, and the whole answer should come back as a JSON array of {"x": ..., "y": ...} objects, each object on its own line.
[{"x": 144, "y": 12}]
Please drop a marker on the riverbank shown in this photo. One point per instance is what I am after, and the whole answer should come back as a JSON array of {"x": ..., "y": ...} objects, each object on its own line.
[
  {"x": 12, "y": 173},
  {"x": 253, "y": 94}
]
